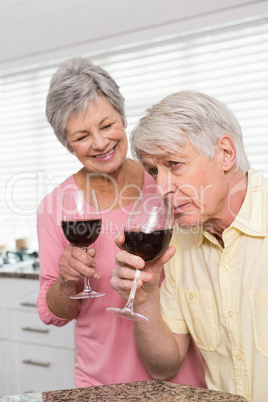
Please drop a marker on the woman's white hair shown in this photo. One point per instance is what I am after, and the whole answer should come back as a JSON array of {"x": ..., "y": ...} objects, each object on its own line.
[
  {"x": 187, "y": 115},
  {"x": 76, "y": 83}
]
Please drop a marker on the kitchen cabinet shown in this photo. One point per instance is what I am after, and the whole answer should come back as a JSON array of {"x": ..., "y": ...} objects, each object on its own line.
[{"x": 33, "y": 356}]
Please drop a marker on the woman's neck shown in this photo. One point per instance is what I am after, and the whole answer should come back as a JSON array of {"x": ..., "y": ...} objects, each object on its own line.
[{"x": 117, "y": 189}]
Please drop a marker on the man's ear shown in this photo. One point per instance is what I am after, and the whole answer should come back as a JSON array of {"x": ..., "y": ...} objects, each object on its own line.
[{"x": 227, "y": 152}]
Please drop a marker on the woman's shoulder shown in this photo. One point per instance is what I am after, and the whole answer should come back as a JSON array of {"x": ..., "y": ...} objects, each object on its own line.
[
  {"x": 149, "y": 182},
  {"x": 137, "y": 170},
  {"x": 67, "y": 185},
  {"x": 134, "y": 165}
]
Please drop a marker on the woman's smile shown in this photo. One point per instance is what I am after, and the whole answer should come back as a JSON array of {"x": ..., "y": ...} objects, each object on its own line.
[{"x": 108, "y": 155}]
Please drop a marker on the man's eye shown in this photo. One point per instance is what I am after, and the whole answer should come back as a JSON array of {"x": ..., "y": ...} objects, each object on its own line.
[
  {"x": 153, "y": 172},
  {"x": 174, "y": 163}
]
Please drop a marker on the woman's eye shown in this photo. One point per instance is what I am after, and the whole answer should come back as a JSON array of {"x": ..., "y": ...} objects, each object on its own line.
[
  {"x": 106, "y": 126},
  {"x": 81, "y": 138}
]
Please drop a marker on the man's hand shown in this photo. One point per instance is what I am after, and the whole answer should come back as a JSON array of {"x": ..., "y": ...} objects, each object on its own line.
[
  {"x": 126, "y": 265},
  {"x": 161, "y": 350}
]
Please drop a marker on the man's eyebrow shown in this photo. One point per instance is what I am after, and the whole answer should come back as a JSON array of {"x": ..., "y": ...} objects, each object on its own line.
[
  {"x": 154, "y": 160},
  {"x": 146, "y": 165}
]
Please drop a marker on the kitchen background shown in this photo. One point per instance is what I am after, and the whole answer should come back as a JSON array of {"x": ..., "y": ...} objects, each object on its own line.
[{"x": 151, "y": 48}]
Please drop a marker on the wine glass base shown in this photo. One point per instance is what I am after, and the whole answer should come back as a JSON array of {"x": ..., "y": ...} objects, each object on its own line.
[
  {"x": 128, "y": 314},
  {"x": 87, "y": 295}
]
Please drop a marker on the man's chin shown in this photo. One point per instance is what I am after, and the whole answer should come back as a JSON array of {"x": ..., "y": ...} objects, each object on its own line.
[{"x": 187, "y": 224}]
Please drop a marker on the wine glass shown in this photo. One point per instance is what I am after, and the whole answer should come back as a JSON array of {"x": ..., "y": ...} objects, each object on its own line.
[
  {"x": 147, "y": 233},
  {"x": 81, "y": 225}
]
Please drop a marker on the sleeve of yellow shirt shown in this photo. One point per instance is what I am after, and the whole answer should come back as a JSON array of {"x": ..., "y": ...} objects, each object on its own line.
[{"x": 170, "y": 308}]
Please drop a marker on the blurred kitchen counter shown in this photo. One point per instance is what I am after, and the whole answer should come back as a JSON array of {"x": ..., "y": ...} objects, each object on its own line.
[
  {"x": 21, "y": 269},
  {"x": 34, "y": 357},
  {"x": 136, "y": 391}
]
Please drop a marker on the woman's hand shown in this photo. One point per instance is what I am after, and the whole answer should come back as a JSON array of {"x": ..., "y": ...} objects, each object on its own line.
[
  {"x": 76, "y": 263},
  {"x": 126, "y": 265}
]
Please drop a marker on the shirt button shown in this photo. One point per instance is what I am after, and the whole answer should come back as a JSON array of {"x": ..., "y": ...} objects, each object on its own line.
[
  {"x": 226, "y": 268},
  {"x": 191, "y": 296},
  {"x": 238, "y": 357},
  {"x": 230, "y": 314}
]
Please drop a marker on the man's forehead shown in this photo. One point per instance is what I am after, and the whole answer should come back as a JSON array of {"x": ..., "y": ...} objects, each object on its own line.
[
  {"x": 153, "y": 158},
  {"x": 161, "y": 156}
]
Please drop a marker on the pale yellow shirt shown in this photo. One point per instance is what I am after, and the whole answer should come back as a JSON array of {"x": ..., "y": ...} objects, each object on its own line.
[{"x": 220, "y": 296}]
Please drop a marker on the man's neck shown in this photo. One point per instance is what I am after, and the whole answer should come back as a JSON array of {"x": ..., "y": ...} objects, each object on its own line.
[{"x": 234, "y": 200}]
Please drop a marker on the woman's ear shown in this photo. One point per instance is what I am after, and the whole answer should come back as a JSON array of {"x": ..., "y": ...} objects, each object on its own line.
[{"x": 227, "y": 152}]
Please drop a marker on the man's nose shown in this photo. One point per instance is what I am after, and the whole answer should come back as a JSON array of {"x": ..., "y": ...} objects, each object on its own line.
[{"x": 164, "y": 183}]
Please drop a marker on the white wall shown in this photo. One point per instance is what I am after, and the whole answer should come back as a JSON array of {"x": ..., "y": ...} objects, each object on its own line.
[{"x": 41, "y": 30}]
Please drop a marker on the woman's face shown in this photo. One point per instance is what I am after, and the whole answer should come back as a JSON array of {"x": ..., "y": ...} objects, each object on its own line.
[{"x": 98, "y": 137}]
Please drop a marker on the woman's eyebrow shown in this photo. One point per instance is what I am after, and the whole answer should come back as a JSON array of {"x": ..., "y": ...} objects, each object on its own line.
[{"x": 105, "y": 118}]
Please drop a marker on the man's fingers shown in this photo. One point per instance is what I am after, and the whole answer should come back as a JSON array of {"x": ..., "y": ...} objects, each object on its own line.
[
  {"x": 131, "y": 260},
  {"x": 120, "y": 240}
]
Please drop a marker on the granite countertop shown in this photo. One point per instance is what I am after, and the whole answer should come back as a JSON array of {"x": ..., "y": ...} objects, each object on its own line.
[{"x": 136, "y": 391}]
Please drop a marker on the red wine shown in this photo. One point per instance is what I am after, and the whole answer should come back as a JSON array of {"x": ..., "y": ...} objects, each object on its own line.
[
  {"x": 148, "y": 246},
  {"x": 81, "y": 233}
]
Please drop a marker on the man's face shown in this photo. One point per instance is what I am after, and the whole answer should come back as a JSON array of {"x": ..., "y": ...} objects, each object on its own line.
[{"x": 196, "y": 186}]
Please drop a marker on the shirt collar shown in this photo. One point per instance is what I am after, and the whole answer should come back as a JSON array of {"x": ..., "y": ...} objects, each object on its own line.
[{"x": 252, "y": 217}]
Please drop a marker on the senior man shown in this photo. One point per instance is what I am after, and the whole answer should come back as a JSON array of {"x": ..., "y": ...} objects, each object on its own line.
[{"x": 216, "y": 271}]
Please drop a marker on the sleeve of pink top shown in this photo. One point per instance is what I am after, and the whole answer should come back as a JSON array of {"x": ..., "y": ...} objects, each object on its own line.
[{"x": 51, "y": 245}]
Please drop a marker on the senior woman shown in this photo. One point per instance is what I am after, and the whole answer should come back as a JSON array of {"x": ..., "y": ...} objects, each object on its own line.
[{"x": 86, "y": 111}]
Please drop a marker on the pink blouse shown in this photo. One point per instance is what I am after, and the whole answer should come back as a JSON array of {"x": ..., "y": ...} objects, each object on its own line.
[{"x": 105, "y": 347}]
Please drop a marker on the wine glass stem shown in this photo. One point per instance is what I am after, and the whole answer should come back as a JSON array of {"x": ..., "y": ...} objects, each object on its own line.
[
  {"x": 131, "y": 297},
  {"x": 87, "y": 287}
]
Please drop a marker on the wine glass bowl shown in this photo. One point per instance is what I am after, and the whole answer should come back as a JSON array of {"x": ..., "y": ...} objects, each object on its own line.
[
  {"x": 148, "y": 232},
  {"x": 81, "y": 233},
  {"x": 81, "y": 225}
]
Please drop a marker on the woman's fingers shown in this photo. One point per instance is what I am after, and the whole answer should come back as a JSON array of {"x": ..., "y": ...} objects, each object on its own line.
[{"x": 75, "y": 263}]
